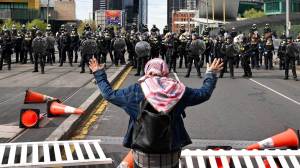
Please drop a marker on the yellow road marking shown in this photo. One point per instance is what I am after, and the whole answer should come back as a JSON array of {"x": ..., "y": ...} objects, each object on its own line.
[{"x": 82, "y": 132}]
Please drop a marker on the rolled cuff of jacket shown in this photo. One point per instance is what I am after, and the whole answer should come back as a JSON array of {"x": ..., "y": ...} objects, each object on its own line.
[
  {"x": 99, "y": 72},
  {"x": 208, "y": 70}
]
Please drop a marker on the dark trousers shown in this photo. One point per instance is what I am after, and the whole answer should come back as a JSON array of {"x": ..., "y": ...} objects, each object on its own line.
[
  {"x": 111, "y": 55},
  {"x": 231, "y": 67},
  {"x": 237, "y": 61},
  {"x": 18, "y": 55},
  {"x": 290, "y": 61},
  {"x": 196, "y": 60},
  {"x": 75, "y": 50},
  {"x": 255, "y": 60},
  {"x": 31, "y": 55},
  {"x": 64, "y": 53},
  {"x": 39, "y": 58},
  {"x": 7, "y": 57},
  {"x": 269, "y": 60},
  {"x": 182, "y": 57},
  {"x": 51, "y": 56},
  {"x": 85, "y": 61},
  {"x": 141, "y": 62},
  {"x": 246, "y": 66},
  {"x": 172, "y": 63},
  {"x": 119, "y": 57}
]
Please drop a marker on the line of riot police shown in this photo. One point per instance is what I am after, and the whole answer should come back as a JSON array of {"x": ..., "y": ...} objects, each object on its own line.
[{"x": 250, "y": 50}]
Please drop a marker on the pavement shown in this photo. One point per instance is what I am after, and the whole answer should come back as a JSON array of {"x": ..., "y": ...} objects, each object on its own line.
[
  {"x": 241, "y": 111},
  {"x": 65, "y": 83}
]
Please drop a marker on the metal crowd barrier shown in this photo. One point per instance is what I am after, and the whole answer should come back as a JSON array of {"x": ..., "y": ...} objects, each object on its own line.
[
  {"x": 49, "y": 154},
  {"x": 240, "y": 158}
]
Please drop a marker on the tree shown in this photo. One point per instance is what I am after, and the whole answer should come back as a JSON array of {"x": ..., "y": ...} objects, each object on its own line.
[
  {"x": 252, "y": 13},
  {"x": 83, "y": 23},
  {"x": 38, "y": 23},
  {"x": 9, "y": 22}
]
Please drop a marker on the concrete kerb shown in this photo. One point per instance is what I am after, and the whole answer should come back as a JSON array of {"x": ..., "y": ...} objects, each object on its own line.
[{"x": 64, "y": 130}]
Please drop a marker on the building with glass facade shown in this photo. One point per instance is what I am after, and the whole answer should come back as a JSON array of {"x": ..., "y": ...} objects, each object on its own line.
[{"x": 273, "y": 7}]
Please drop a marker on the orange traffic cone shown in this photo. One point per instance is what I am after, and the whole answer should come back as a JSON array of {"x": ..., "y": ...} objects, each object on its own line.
[
  {"x": 288, "y": 138},
  {"x": 35, "y": 97},
  {"x": 29, "y": 118},
  {"x": 55, "y": 108},
  {"x": 128, "y": 161}
]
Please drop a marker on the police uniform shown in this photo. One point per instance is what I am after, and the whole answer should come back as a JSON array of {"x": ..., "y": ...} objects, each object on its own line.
[
  {"x": 75, "y": 42},
  {"x": 6, "y": 49},
  {"x": 65, "y": 43},
  {"x": 290, "y": 58},
  {"x": 195, "y": 48},
  {"x": 87, "y": 50},
  {"x": 39, "y": 46}
]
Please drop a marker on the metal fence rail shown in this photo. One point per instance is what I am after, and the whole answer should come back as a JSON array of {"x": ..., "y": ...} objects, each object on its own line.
[
  {"x": 240, "y": 158},
  {"x": 49, "y": 154}
]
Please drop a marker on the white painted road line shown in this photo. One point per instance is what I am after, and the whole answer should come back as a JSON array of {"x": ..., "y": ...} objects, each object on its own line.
[
  {"x": 176, "y": 76},
  {"x": 280, "y": 94}
]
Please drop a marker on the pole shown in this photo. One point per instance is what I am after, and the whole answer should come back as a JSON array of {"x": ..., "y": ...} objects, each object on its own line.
[
  {"x": 287, "y": 17},
  {"x": 47, "y": 13},
  {"x": 224, "y": 11},
  {"x": 213, "y": 9},
  {"x": 206, "y": 10}
]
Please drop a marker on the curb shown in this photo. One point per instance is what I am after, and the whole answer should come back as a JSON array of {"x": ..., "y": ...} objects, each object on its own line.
[{"x": 64, "y": 130}]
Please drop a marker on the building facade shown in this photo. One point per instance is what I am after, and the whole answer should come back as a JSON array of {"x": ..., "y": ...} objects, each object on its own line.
[
  {"x": 183, "y": 17},
  {"x": 231, "y": 9},
  {"x": 65, "y": 10},
  {"x": 191, "y": 4},
  {"x": 273, "y": 7},
  {"x": 20, "y": 10},
  {"x": 174, "y": 5},
  {"x": 250, "y": 4},
  {"x": 143, "y": 12}
]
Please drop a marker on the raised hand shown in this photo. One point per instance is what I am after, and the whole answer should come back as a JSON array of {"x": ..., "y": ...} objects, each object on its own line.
[
  {"x": 216, "y": 66},
  {"x": 94, "y": 65}
]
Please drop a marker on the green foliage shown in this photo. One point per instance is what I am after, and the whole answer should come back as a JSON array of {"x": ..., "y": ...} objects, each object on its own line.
[
  {"x": 83, "y": 23},
  {"x": 38, "y": 23},
  {"x": 252, "y": 13},
  {"x": 9, "y": 22}
]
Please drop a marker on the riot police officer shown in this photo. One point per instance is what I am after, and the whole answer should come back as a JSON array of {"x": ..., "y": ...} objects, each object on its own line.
[
  {"x": 245, "y": 53},
  {"x": 154, "y": 43},
  {"x": 18, "y": 39},
  {"x": 281, "y": 52},
  {"x": 195, "y": 47},
  {"x": 101, "y": 49},
  {"x": 290, "y": 58},
  {"x": 39, "y": 49},
  {"x": 119, "y": 46},
  {"x": 26, "y": 46},
  {"x": 75, "y": 42},
  {"x": 171, "y": 54},
  {"x": 65, "y": 42},
  {"x": 154, "y": 29},
  {"x": 50, "y": 50},
  {"x": 230, "y": 50},
  {"x": 6, "y": 49},
  {"x": 183, "y": 40},
  {"x": 131, "y": 41},
  {"x": 268, "y": 53},
  {"x": 87, "y": 50},
  {"x": 142, "y": 50}
]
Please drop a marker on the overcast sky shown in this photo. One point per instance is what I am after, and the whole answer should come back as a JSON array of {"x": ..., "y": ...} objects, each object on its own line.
[{"x": 157, "y": 11}]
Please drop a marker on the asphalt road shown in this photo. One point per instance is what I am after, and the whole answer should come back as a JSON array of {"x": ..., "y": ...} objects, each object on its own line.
[
  {"x": 65, "y": 83},
  {"x": 239, "y": 112}
]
